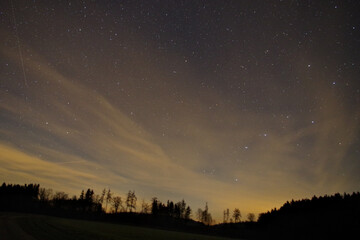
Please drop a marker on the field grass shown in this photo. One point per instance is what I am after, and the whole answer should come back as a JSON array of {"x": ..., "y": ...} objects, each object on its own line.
[{"x": 31, "y": 227}]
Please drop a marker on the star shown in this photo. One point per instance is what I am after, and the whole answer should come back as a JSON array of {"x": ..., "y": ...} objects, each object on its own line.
[{"x": 206, "y": 93}]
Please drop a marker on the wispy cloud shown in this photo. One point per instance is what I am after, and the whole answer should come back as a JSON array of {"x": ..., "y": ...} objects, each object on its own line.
[{"x": 68, "y": 135}]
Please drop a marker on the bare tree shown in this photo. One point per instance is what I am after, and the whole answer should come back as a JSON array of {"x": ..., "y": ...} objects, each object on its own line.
[
  {"x": 45, "y": 194},
  {"x": 236, "y": 215},
  {"x": 145, "y": 207},
  {"x": 206, "y": 217},
  {"x": 101, "y": 199},
  {"x": 61, "y": 196},
  {"x": 226, "y": 215},
  {"x": 199, "y": 214},
  {"x": 182, "y": 208},
  {"x": 131, "y": 201},
  {"x": 108, "y": 198},
  {"x": 117, "y": 203},
  {"x": 251, "y": 217}
]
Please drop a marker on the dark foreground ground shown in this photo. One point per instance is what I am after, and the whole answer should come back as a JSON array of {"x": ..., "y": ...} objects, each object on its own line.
[{"x": 37, "y": 227}]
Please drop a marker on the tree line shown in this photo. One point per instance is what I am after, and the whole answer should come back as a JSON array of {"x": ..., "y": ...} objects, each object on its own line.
[
  {"x": 333, "y": 216},
  {"x": 31, "y": 196},
  {"x": 236, "y": 216},
  {"x": 334, "y": 206},
  {"x": 87, "y": 201},
  {"x": 177, "y": 210},
  {"x": 306, "y": 218},
  {"x": 104, "y": 203}
]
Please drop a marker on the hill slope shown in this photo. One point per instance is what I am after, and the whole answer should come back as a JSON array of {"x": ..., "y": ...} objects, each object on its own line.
[{"x": 29, "y": 227}]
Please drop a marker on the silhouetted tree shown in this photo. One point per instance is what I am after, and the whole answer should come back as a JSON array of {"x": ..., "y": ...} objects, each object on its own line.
[
  {"x": 199, "y": 214},
  {"x": 102, "y": 196},
  {"x": 145, "y": 207},
  {"x": 154, "y": 206},
  {"x": 188, "y": 213},
  {"x": 117, "y": 203},
  {"x": 131, "y": 201},
  {"x": 89, "y": 201},
  {"x": 226, "y": 215},
  {"x": 171, "y": 208},
  {"x": 82, "y": 202},
  {"x": 182, "y": 209},
  {"x": 236, "y": 215},
  {"x": 327, "y": 213},
  {"x": 82, "y": 195},
  {"x": 204, "y": 215},
  {"x": 60, "y": 196},
  {"x": 45, "y": 194},
  {"x": 108, "y": 198},
  {"x": 14, "y": 197},
  {"x": 176, "y": 210},
  {"x": 97, "y": 207},
  {"x": 60, "y": 199},
  {"x": 251, "y": 217}
]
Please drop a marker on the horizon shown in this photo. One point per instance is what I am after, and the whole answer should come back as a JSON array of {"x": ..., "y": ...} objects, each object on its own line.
[
  {"x": 239, "y": 104},
  {"x": 139, "y": 201}
]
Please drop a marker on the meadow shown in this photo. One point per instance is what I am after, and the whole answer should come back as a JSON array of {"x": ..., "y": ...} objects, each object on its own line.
[{"x": 30, "y": 227}]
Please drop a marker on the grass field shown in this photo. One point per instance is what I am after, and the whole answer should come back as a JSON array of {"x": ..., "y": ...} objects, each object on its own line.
[{"x": 30, "y": 227}]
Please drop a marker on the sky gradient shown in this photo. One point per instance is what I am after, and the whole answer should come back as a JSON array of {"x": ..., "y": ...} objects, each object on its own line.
[{"x": 241, "y": 104}]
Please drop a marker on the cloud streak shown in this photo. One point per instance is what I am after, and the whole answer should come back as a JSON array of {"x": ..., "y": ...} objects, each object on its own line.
[
  {"x": 72, "y": 136},
  {"x": 69, "y": 133}
]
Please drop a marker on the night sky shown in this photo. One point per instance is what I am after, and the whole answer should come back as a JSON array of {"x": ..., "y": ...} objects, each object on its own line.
[{"x": 241, "y": 104}]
